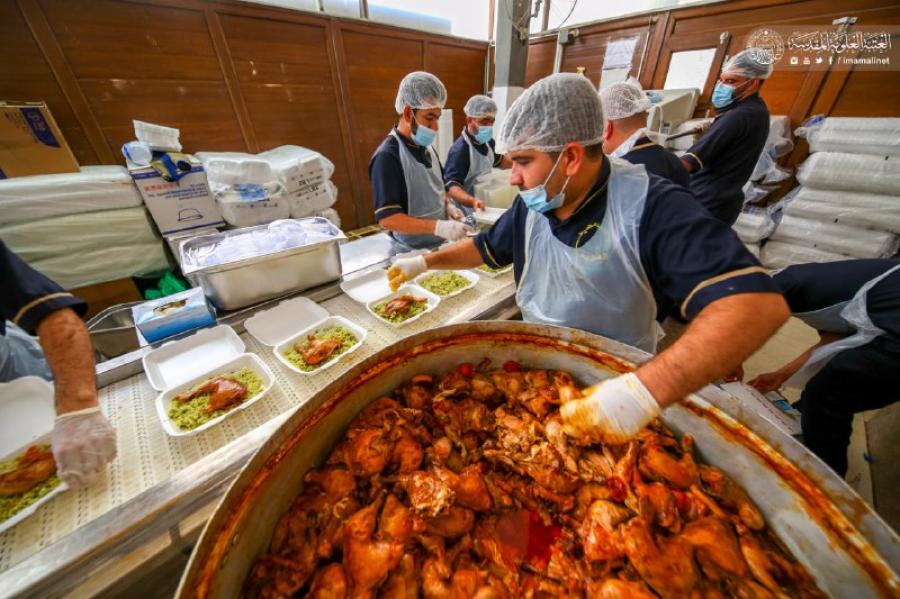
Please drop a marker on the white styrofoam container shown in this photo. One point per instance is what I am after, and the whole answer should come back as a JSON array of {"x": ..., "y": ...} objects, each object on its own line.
[
  {"x": 291, "y": 320},
  {"x": 502, "y": 271},
  {"x": 330, "y": 322},
  {"x": 469, "y": 275},
  {"x": 240, "y": 362},
  {"x": 175, "y": 362},
  {"x": 433, "y": 302},
  {"x": 489, "y": 215},
  {"x": 368, "y": 287},
  {"x": 26, "y": 403}
]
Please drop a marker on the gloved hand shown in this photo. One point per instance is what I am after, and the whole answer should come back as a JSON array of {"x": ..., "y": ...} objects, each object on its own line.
[
  {"x": 455, "y": 213},
  {"x": 83, "y": 443},
  {"x": 405, "y": 269},
  {"x": 611, "y": 412},
  {"x": 451, "y": 230}
]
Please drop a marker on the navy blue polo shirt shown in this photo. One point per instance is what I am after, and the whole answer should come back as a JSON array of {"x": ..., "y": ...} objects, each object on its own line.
[
  {"x": 691, "y": 259},
  {"x": 28, "y": 296},
  {"x": 809, "y": 287},
  {"x": 725, "y": 156},
  {"x": 457, "y": 168},
  {"x": 386, "y": 175},
  {"x": 659, "y": 161}
]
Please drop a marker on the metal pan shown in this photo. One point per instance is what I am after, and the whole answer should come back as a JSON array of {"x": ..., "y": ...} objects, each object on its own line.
[{"x": 849, "y": 550}]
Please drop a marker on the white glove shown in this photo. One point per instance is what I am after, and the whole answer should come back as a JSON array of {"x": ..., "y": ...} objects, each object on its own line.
[
  {"x": 612, "y": 412},
  {"x": 451, "y": 230},
  {"x": 405, "y": 269},
  {"x": 455, "y": 213},
  {"x": 82, "y": 442}
]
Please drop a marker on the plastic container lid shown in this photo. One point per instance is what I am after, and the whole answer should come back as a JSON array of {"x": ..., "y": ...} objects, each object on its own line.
[
  {"x": 273, "y": 326},
  {"x": 178, "y": 361},
  {"x": 370, "y": 286}
]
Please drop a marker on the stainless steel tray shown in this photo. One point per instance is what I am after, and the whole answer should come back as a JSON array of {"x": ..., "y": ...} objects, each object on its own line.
[
  {"x": 250, "y": 280},
  {"x": 849, "y": 550}
]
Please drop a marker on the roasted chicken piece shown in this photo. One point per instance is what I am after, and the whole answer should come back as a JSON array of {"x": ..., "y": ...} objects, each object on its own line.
[
  {"x": 32, "y": 468},
  {"x": 430, "y": 493},
  {"x": 417, "y": 393},
  {"x": 223, "y": 392},
  {"x": 599, "y": 532},
  {"x": 367, "y": 560},
  {"x": 315, "y": 351},
  {"x": 367, "y": 452},
  {"x": 614, "y": 588},
  {"x": 666, "y": 564},
  {"x": 330, "y": 583},
  {"x": 731, "y": 496},
  {"x": 402, "y": 304},
  {"x": 715, "y": 539},
  {"x": 657, "y": 463}
]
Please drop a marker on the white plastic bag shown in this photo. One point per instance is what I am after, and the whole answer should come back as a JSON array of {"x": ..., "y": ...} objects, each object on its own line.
[
  {"x": 158, "y": 137},
  {"x": 885, "y": 218},
  {"x": 312, "y": 200},
  {"x": 98, "y": 265},
  {"x": 839, "y": 239},
  {"x": 878, "y": 136},
  {"x": 332, "y": 215},
  {"x": 298, "y": 167},
  {"x": 246, "y": 205},
  {"x": 752, "y": 226},
  {"x": 851, "y": 172},
  {"x": 776, "y": 254},
  {"x": 49, "y": 237},
  {"x": 26, "y": 199}
]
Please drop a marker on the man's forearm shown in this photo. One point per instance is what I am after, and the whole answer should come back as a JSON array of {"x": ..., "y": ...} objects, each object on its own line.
[
  {"x": 67, "y": 347},
  {"x": 459, "y": 194},
  {"x": 403, "y": 223},
  {"x": 797, "y": 363},
  {"x": 688, "y": 165},
  {"x": 720, "y": 338},
  {"x": 462, "y": 254}
]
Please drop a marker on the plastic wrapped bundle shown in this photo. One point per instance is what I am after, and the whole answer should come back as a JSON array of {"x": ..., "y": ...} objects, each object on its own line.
[
  {"x": 98, "y": 265},
  {"x": 878, "y": 136},
  {"x": 49, "y": 237},
  {"x": 297, "y": 167},
  {"x": 851, "y": 172},
  {"x": 246, "y": 188},
  {"x": 869, "y": 201},
  {"x": 777, "y": 254},
  {"x": 843, "y": 123},
  {"x": 882, "y": 218},
  {"x": 26, "y": 199},
  {"x": 839, "y": 239},
  {"x": 312, "y": 200},
  {"x": 753, "y": 226},
  {"x": 753, "y": 248},
  {"x": 332, "y": 216}
]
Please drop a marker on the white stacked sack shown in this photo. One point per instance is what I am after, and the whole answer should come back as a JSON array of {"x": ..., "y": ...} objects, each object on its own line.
[
  {"x": 80, "y": 228},
  {"x": 848, "y": 204},
  {"x": 287, "y": 181}
]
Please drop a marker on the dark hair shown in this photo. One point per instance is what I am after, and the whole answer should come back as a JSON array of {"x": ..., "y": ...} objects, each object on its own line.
[{"x": 593, "y": 151}]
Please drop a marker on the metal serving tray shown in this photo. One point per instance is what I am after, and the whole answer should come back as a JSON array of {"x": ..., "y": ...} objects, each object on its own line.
[{"x": 249, "y": 280}]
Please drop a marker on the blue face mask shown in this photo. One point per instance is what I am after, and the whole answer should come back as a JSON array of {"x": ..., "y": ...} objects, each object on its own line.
[
  {"x": 423, "y": 136},
  {"x": 484, "y": 135},
  {"x": 536, "y": 197},
  {"x": 722, "y": 95}
]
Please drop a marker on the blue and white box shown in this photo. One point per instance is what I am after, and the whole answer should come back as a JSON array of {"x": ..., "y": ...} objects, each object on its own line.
[{"x": 167, "y": 316}]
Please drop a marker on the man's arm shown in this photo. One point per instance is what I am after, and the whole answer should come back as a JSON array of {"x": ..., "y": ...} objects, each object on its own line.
[
  {"x": 771, "y": 381},
  {"x": 721, "y": 337},
  {"x": 403, "y": 223},
  {"x": 459, "y": 194},
  {"x": 461, "y": 255},
  {"x": 67, "y": 347},
  {"x": 688, "y": 164}
]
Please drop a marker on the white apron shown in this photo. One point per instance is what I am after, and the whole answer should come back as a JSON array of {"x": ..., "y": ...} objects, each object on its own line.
[{"x": 425, "y": 193}]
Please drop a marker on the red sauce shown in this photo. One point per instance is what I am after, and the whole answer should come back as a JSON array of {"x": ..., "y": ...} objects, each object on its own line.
[
  {"x": 541, "y": 539},
  {"x": 511, "y": 366},
  {"x": 617, "y": 488},
  {"x": 466, "y": 369}
]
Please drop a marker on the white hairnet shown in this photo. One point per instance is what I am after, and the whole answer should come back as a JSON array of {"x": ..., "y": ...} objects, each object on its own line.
[
  {"x": 750, "y": 63},
  {"x": 559, "y": 109},
  {"x": 420, "y": 90},
  {"x": 479, "y": 106},
  {"x": 624, "y": 99}
]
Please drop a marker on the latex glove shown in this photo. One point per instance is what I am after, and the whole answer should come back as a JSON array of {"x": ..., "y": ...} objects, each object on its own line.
[
  {"x": 83, "y": 443},
  {"x": 405, "y": 269},
  {"x": 451, "y": 230},
  {"x": 455, "y": 213},
  {"x": 612, "y": 412}
]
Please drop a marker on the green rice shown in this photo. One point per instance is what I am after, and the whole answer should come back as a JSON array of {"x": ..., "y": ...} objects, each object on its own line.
[
  {"x": 191, "y": 414},
  {"x": 444, "y": 283},
  {"x": 488, "y": 269},
  {"x": 414, "y": 309},
  {"x": 346, "y": 337},
  {"x": 13, "y": 504}
]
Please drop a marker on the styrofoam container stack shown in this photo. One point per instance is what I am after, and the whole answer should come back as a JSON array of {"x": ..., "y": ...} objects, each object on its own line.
[
  {"x": 80, "y": 228},
  {"x": 848, "y": 202}
]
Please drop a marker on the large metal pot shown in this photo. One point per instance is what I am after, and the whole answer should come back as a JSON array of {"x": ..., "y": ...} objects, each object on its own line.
[{"x": 849, "y": 550}]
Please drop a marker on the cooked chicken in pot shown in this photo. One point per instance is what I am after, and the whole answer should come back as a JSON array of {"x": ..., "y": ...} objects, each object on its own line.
[{"x": 463, "y": 486}]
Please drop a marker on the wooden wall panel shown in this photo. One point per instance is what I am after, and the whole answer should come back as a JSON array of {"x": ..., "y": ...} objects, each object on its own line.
[
  {"x": 541, "y": 54},
  {"x": 284, "y": 74},
  {"x": 373, "y": 66},
  {"x": 25, "y": 76},
  {"x": 869, "y": 93},
  {"x": 454, "y": 65}
]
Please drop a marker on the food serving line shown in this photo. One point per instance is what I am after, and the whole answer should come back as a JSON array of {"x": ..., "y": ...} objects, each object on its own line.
[{"x": 160, "y": 489}]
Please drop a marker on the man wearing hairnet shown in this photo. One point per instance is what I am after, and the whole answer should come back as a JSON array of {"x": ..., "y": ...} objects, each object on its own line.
[
  {"x": 722, "y": 161},
  {"x": 82, "y": 441},
  {"x": 473, "y": 154},
  {"x": 601, "y": 245},
  {"x": 407, "y": 182},
  {"x": 625, "y": 136}
]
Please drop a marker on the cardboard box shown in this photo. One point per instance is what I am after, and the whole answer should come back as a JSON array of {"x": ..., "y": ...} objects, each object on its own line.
[
  {"x": 167, "y": 316},
  {"x": 31, "y": 142},
  {"x": 181, "y": 205}
]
